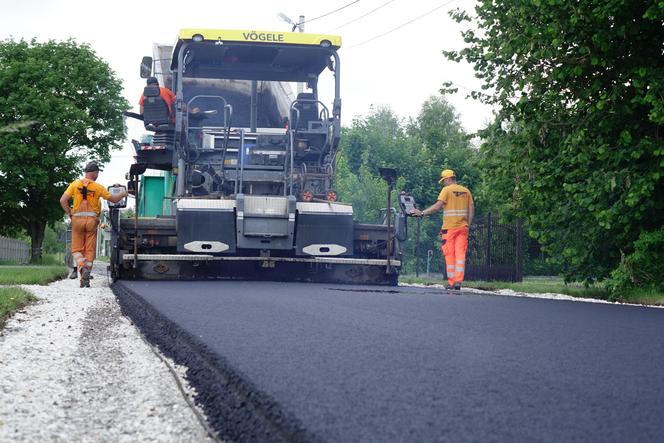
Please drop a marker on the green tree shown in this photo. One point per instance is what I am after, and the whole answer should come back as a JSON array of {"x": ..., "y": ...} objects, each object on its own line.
[
  {"x": 365, "y": 191},
  {"x": 577, "y": 141},
  {"x": 378, "y": 140},
  {"x": 441, "y": 144},
  {"x": 52, "y": 243},
  {"x": 60, "y": 105}
]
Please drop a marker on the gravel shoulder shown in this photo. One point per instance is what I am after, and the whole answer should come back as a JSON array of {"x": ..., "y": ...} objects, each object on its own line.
[{"x": 73, "y": 368}]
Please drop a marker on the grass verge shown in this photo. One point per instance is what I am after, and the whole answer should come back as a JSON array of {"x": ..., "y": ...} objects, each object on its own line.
[
  {"x": 554, "y": 285},
  {"x": 31, "y": 274},
  {"x": 544, "y": 285},
  {"x": 642, "y": 296},
  {"x": 11, "y": 300}
]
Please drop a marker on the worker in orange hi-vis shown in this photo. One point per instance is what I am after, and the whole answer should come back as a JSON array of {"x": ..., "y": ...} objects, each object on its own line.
[
  {"x": 84, "y": 215},
  {"x": 166, "y": 95},
  {"x": 458, "y": 212}
]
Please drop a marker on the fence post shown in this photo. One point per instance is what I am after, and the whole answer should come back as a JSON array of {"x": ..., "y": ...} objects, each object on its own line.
[
  {"x": 417, "y": 249},
  {"x": 14, "y": 250},
  {"x": 429, "y": 255},
  {"x": 489, "y": 230},
  {"x": 519, "y": 250}
]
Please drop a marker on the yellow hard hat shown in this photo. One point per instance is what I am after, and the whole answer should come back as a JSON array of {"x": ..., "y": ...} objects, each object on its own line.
[{"x": 446, "y": 173}]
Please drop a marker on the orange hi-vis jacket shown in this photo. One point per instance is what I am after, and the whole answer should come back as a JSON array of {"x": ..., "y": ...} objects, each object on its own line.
[
  {"x": 166, "y": 95},
  {"x": 85, "y": 218},
  {"x": 457, "y": 200}
]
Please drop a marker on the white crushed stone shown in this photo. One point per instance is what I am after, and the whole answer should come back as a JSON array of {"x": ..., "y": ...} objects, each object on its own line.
[
  {"x": 543, "y": 295},
  {"x": 73, "y": 368}
]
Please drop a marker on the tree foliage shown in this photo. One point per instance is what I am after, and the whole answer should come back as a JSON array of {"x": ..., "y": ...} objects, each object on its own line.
[
  {"x": 643, "y": 268},
  {"x": 441, "y": 143},
  {"x": 53, "y": 235},
  {"x": 60, "y": 105},
  {"x": 379, "y": 140},
  {"x": 576, "y": 148}
]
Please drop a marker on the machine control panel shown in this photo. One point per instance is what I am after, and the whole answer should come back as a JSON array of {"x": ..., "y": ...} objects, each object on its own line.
[
  {"x": 407, "y": 203},
  {"x": 115, "y": 190}
]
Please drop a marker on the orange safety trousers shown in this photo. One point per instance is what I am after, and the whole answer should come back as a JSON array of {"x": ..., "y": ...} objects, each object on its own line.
[
  {"x": 455, "y": 244},
  {"x": 84, "y": 240}
]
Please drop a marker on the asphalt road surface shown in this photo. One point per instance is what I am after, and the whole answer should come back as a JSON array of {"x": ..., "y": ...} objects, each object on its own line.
[{"x": 289, "y": 361}]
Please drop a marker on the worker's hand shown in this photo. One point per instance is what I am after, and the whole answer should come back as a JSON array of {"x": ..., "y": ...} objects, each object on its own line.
[{"x": 416, "y": 213}]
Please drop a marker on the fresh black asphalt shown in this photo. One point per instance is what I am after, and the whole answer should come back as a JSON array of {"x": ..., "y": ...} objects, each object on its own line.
[{"x": 302, "y": 362}]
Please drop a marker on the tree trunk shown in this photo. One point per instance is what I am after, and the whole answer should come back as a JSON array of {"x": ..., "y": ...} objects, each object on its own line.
[{"x": 36, "y": 229}]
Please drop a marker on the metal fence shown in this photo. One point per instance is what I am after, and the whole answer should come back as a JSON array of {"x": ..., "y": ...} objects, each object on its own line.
[
  {"x": 495, "y": 251},
  {"x": 14, "y": 250}
]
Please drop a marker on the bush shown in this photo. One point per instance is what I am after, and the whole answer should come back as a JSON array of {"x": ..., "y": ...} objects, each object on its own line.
[
  {"x": 643, "y": 268},
  {"x": 540, "y": 267}
]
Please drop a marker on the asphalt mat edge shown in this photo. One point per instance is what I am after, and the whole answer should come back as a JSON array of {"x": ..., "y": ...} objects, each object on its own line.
[{"x": 235, "y": 409}]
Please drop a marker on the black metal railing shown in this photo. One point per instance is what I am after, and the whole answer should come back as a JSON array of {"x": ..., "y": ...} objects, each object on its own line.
[{"x": 495, "y": 250}]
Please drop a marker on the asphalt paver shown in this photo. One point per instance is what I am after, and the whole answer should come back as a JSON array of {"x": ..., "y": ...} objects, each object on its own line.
[{"x": 294, "y": 361}]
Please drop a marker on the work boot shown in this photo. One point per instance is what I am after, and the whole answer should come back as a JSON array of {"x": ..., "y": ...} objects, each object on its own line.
[
  {"x": 449, "y": 287},
  {"x": 85, "y": 278},
  {"x": 73, "y": 274},
  {"x": 457, "y": 286}
]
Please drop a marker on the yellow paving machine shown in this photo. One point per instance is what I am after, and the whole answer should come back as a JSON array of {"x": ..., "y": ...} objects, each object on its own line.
[{"x": 236, "y": 180}]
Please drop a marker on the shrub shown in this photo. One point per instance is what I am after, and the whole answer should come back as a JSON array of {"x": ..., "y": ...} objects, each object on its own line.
[{"x": 643, "y": 268}]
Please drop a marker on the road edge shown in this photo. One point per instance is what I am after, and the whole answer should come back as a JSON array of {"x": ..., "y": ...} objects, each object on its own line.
[{"x": 538, "y": 295}]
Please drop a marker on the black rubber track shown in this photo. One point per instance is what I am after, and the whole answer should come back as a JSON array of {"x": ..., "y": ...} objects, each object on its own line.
[{"x": 307, "y": 362}]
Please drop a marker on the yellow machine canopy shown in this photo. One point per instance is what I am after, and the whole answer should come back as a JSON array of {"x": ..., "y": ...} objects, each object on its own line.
[
  {"x": 254, "y": 55},
  {"x": 236, "y": 35}
]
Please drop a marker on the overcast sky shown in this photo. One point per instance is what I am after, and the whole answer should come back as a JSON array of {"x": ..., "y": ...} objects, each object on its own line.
[{"x": 400, "y": 69}]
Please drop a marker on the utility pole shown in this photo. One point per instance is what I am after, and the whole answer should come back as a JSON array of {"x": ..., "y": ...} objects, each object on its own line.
[{"x": 300, "y": 26}]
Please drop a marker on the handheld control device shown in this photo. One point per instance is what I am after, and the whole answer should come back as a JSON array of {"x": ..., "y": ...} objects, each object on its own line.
[
  {"x": 407, "y": 203},
  {"x": 115, "y": 190}
]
